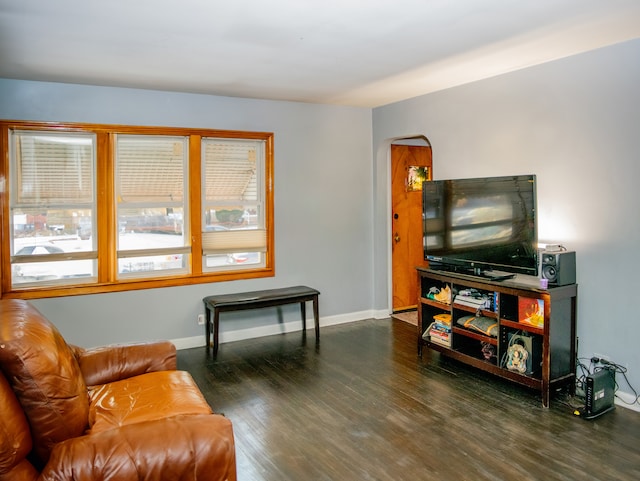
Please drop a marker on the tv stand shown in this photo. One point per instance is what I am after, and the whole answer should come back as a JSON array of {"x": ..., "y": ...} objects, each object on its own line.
[{"x": 482, "y": 322}]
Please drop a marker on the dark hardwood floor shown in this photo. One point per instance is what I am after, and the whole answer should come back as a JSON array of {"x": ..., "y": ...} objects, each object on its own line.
[{"x": 363, "y": 406}]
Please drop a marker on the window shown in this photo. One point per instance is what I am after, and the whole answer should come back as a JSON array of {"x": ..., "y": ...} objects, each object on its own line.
[
  {"x": 100, "y": 208},
  {"x": 52, "y": 207},
  {"x": 233, "y": 205},
  {"x": 151, "y": 176}
]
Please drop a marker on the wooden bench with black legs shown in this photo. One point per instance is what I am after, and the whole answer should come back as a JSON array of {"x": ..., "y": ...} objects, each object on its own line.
[{"x": 257, "y": 300}]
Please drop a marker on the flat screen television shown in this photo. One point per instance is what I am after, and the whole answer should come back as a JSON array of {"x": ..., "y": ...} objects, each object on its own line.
[{"x": 483, "y": 226}]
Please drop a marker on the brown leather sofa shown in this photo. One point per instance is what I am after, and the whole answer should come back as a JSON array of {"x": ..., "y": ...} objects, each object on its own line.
[{"x": 113, "y": 413}]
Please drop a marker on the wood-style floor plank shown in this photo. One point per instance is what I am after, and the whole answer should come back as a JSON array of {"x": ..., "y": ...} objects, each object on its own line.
[{"x": 362, "y": 405}]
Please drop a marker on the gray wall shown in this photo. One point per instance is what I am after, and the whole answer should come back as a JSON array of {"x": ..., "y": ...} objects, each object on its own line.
[
  {"x": 323, "y": 215},
  {"x": 575, "y": 123}
]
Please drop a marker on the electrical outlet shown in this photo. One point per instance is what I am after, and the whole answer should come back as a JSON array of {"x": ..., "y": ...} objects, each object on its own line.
[{"x": 201, "y": 319}]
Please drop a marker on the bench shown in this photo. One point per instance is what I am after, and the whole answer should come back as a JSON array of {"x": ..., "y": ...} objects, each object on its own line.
[{"x": 257, "y": 300}]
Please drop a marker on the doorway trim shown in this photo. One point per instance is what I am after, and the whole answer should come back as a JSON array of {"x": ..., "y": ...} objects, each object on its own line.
[{"x": 416, "y": 139}]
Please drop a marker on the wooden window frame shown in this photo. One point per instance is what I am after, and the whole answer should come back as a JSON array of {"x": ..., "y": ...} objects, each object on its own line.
[{"x": 107, "y": 280}]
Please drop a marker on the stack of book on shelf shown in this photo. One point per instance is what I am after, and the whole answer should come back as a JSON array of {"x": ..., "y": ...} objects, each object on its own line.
[
  {"x": 440, "y": 330},
  {"x": 477, "y": 300}
]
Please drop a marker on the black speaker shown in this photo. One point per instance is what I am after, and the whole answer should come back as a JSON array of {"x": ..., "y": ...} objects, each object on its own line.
[{"x": 558, "y": 267}]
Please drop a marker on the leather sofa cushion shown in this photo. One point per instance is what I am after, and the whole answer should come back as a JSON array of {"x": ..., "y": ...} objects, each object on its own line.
[
  {"x": 101, "y": 365},
  {"x": 15, "y": 438},
  {"x": 148, "y": 397},
  {"x": 44, "y": 375},
  {"x": 185, "y": 448}
]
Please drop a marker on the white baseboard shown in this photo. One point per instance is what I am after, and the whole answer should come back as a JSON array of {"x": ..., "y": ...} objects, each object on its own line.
[
  {"x": 381, "y": 314},
  {"x": 624, "y": 400},
  {"x": 270, "y": 330}
]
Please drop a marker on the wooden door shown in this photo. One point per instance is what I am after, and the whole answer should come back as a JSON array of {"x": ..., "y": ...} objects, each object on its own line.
[{"x": 408, "y": 162}]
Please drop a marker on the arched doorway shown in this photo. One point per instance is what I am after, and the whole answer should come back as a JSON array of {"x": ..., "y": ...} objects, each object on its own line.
[{"x": 411, "y": 163}]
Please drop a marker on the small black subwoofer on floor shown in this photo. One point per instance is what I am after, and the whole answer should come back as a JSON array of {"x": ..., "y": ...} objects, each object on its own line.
[{"x": 558, "y": 267}]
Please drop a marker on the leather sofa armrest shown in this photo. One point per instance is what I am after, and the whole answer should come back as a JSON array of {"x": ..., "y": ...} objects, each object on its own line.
[
  {"x": 196, "y": 447},
  {"x": 106, "y": 364}
]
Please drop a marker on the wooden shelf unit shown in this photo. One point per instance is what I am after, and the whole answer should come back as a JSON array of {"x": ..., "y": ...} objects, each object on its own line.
[{"x": 553, "y": 345}]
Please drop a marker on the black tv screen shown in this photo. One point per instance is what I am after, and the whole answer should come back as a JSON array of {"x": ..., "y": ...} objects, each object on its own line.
[{"x": 481, "y": 225}]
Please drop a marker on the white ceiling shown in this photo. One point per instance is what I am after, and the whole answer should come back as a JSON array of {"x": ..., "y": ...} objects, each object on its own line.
[{"x": 349, "y": 52}]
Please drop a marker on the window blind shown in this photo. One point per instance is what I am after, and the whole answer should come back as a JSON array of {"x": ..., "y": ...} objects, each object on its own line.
[
  {"x": 53, "y": 169},
  {"x": 150, "y": 169},
  {"x": 230, "y": 170},
  {"x": 249, "y": 240}
]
